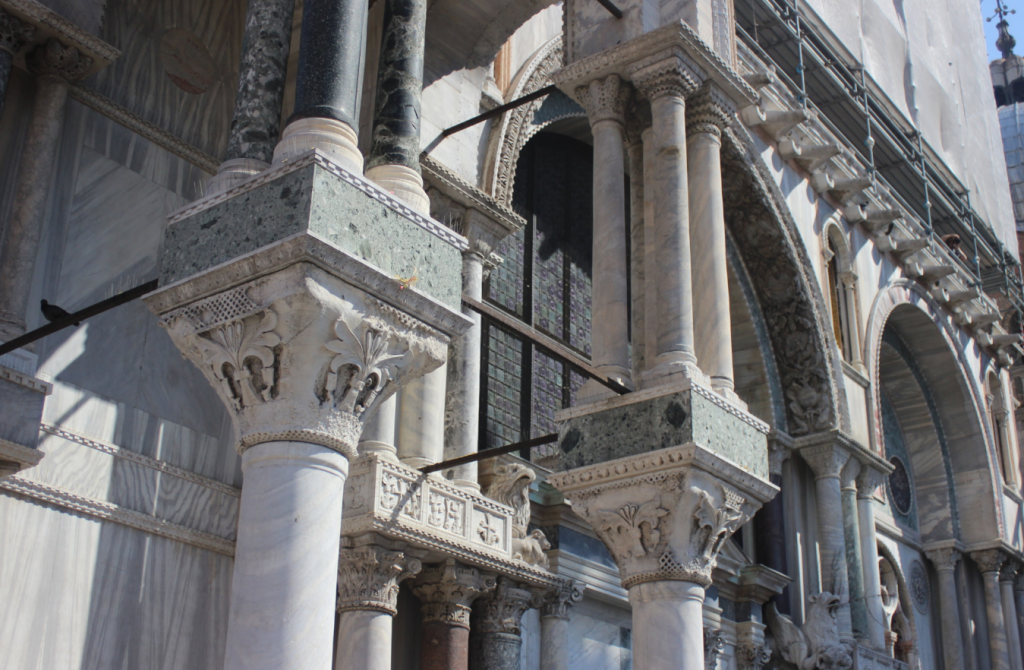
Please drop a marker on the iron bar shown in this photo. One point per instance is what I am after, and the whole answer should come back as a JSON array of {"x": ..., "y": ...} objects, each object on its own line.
[
  {"x": 552, "y": 347},
  {"x": 497, "y": 111},
  {"x": 489, "y": 453},
  {"x": 80, "y": 315},
  {"x": 615, "y": 11}
]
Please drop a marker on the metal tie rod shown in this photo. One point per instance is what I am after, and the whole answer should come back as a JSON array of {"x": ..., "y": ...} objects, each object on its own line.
[
  {"x": 497, "y": 111},
  {"x": 489, "y": 453}
]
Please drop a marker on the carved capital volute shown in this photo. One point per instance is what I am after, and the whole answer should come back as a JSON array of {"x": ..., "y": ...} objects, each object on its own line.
[
  {"x": 605, "y": 99},
  {"x": 668, "y": 73},
  {"x": 667, "y": 515},
  {"x": 714, "y": 644},
  {"x": 501, "y": 610},
  {"x": 14, "y": 33},
  {"x": 1008, "y": 573},
  {"x": 299, "y": 355},
  {"x": 56, "y": 60},
  {"x": 990, "y": 560},
  {"x": 753, "y": 656},
  {"x": 368, "y": 578},
  {"x": 826, "y": 460},
  {"x": 557, "y": 602},
  {"x": 944, "y": 559},
  {"x": 448, "y": 589}
]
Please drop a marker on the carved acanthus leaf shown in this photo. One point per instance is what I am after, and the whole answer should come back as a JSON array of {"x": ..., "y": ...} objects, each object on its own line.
[
  {"x": 368, "y": 578},
  {"x": 233, "y": 350},
  {"x": 633, "y": 528},
  {"x": 363, "y": 365},
  {"x": 719, "y": 522}
]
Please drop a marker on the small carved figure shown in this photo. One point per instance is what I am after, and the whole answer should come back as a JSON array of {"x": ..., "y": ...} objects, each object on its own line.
[
  {"x": 511, "y": 486},
  {"x": 816, "y": 646}
]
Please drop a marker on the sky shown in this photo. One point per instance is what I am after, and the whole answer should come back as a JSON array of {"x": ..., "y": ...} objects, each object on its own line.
[{"x": 1016, "y": 21}]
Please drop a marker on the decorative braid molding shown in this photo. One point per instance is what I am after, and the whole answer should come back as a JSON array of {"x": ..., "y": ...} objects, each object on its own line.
[
  {"x": 144, "y": 129},
  {"x": 146, "y": 461},
  {"x": 106, "y": 511}
]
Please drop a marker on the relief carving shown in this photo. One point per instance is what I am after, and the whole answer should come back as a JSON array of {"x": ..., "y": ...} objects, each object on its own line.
[
  {"x": 716, "y": 524},
  {"x": 502, "y": 610},
  {"x": 816, "y": 645},
  {"x": 511, "y": 486},
  {"x": 447, "y": 590},
  {"x": 368, "y": 578},
  {"x": 243, "y": 358},
  {"x": 363, "y": 365},
  {"x": 634, "y": 528}
]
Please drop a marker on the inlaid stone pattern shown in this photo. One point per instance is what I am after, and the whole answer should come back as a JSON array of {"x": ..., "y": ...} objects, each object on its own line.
[
  {"x": 695, "y": 415},
  {"x": 919, "y": 589}
]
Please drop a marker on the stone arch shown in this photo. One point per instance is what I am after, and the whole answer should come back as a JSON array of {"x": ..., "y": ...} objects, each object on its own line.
[
  {"x": 792, "y": 306},
  {"x": 905, "y": 319},
  {"x": 515, "y": 128}
]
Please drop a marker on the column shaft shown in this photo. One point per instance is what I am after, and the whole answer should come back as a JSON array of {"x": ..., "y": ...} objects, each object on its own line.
[
  {"x": 650, "y": 255},
  {"x": 1018, "y": 596},
  {"x": 379, "y": 430},
  {"x": 989, "y": 563},
  {"x": 637, "y": 251},
  {"x": 869, "y": 563},
  {"x": 445, "y": 646},
  {"x": 610, "y": 338},
  {"x": 465, "y": 376},
  {"x": 286, "y": 558},
  {"x": 255, "y": 126},
  {"x": 854, "y": 550},
  {"x": 446, "y": 591},
  {"x": 1010, "y": 614},
  {"x": 421, "y": 421},
  {"x": 832, "y": 549},
  {"x": 713, "y": 336},
  {"x": 663, "y": 606},
  {"x": 945, "y": 561},
  {"x": 850, "y": 284},
  {"x": 364, "y": 640},
  {"x": 554, "y": 643}
]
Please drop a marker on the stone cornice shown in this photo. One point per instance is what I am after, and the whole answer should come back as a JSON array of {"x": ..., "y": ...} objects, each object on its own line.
[
  {"x": 445, "y": 180},
  {"x": 620, "y": 58},
  {"x": 15, "y": 457},
  {"x": 51, "y": 25}
]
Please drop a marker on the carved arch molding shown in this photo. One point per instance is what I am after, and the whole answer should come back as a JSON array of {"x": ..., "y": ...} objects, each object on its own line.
[{"x": 765, "y": 236}]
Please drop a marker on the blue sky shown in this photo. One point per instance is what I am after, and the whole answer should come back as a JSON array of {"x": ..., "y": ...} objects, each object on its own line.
[{"x": 1016, "y": 21}]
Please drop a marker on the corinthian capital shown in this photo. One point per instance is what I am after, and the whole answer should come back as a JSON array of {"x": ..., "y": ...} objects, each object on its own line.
[
  {"x": 54, "y": 59},
  {"x": 664, "y": 515},
  {"x": 557, "y": 602},
  {"x": 944, "y": 559},
  {"x": 670, "y": 72},
  {"x": 708, "y": 111},
  {"x": 368, "y": 578},
  {"x": 501, "y": 611},
  {"x": 605, "y": 99},
  {"x": 753, "y": 657},
  {"x": 448, "y": 589},
  {"x": 990, "y": 560},
  {"x": 14, "y": 33}
]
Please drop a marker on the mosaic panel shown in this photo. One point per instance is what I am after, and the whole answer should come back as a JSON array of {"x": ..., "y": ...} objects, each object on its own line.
[{"x": 503, "y": 387}]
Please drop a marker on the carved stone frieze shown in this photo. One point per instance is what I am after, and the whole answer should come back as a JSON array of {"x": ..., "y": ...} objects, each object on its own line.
[
  {"x": 14, "y": 33},
  {"x": 300, "y": 355},
  {"x": 368, "y": 578},
  {"x": 664, "y": 515},
  {"x": 447, "y": 590},
  {"x": 501, "y": 610},
  {"x": 561, "y": 598},
  {"x": 605, "y": 99},
  {"x": 54, "y": 59}
]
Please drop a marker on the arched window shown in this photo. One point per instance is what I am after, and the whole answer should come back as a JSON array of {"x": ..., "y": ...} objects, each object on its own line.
[{"x": 840, "y": 291}]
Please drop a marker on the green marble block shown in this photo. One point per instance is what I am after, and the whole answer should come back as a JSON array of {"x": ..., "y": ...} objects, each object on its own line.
[
  {"x": 314, "y": 200},
  {"x": 671, "y": 420}
]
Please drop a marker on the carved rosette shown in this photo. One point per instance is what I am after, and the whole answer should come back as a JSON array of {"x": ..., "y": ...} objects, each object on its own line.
[
  {"x": 368, "y": 578},
  {"x": 14, "y": 33},
  {"x": 299, "y": 355},
  {"x": 605, "y": 99},
  {"x": 945, "y": 559},
  {"x": 664, "y": 515},
  {"x": 501, "y": 611},
  {"x": 54, "y": 59},
  {"x": 989, "y": 561},
  {"x": 557, "y": 603},
  {"x": 670, "y": 72},
  {"x": 448, "y": 589}
]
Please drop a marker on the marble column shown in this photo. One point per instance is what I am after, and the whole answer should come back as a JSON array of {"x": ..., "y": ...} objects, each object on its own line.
[
  {"x": 665, "y": 80},
  {"x": 854, "y": 551},
  {"x": 868, "y": 482},
  {"x": 849, "y": 280},
  {"x": 554, "y": 625},
  {"x": 637, "y": 246},
  {"x": 944, "y": 560},
  {"x": 605, "y": 101},
  {"x": 368, "y": 578},
  {"x": 447, "y": 591},
  {"x": 255, "y": 126},
  {"x": 54, "y": 66},
  {"x": 827, "y": 461},
  {"x": 14, "y": 34},
  {"x": 664, "y": 518},
  {"x": 707, "y": 116},
  {"x": 495, "y": 638},
  {"x": 650, "y": 253},
  {"x": 379, "y": 431},
  {"x": 394, "y": 161},
  {"x": 1018, "y": 596},
  {"x": 770, "y": 521},
  {"x": 1007, "y": 576},
  {"x": 990, "y": 562},
  {"x": 329, "y": 83},
  {"x": 421, "y": 419}
]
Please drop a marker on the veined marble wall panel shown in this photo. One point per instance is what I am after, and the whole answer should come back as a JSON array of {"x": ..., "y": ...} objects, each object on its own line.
[
  {"x": 595, "y": 644},
  {"x": 856, "y": 401},
  {"x": 1013, "y": 517},
  {"x": 85, "y": 594},
  {"x": 196, "y": 41},
  {"x": 446, "y": 102}
]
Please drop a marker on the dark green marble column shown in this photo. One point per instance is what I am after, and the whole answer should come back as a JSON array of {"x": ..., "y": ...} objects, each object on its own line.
[
  {"x": 331, "y": 48},
  {"x": 14, "y": 34}
]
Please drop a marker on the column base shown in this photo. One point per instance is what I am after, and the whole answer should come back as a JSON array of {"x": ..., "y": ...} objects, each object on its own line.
[
  {"x": 673, "y": 368},
  {"x": 234, "y": 172},
  {"x": 404, "y": 183},
  {"x": 330, "y": 136}
]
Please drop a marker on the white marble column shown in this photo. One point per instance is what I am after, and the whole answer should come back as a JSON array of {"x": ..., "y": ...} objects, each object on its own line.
[
  {"x": 54, "y": 66},
  {"x": 945, "y": 561},
  {"x": 554, "y": 625},
  {"x": 605, "y": 101},
  {"x": 421, "y": 419},
  {"x": 638, "y": 246},
  {"x": 827, "y": 460},
  {"x": 707, "y": 116},
  {"x": 868, "y": 481},
  {"x": 665, "y": 80},
  {"x": 368, "y": 578},
  {"x": 1007, "y": 576},
  {"x": 1018, "y": 595},
  {"x": 990, "y": 562},
  {"x": 650, "y": 255},
  {"x": 379, "y": 430},
  {"x": 849, "y": 280},
  {"x": 289, "y": 531},
  {"x": 662, "y": 606}
]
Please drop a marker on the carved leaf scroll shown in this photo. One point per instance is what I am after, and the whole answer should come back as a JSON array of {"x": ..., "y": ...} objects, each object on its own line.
[
  {"x": 233, "y": 350},
  {"x": 634, "y": 527},
  {"x": 362, "y": 365}
]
